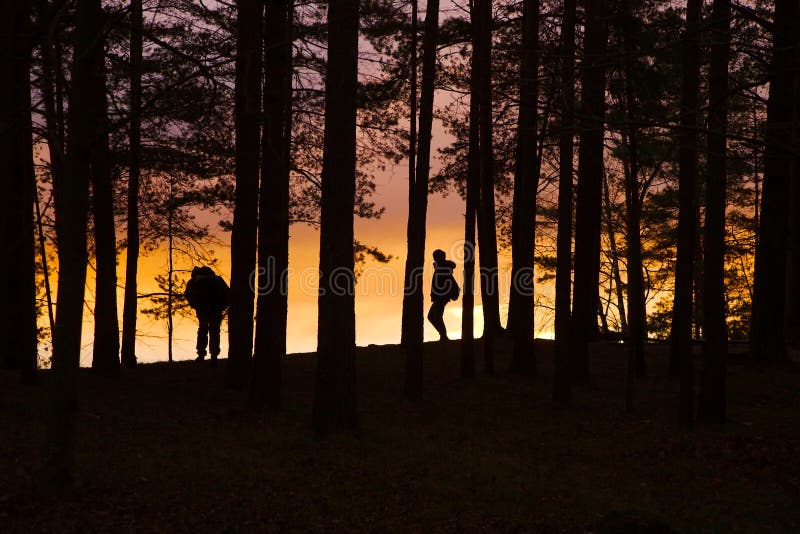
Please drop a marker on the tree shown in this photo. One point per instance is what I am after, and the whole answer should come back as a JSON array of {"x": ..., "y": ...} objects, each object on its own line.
[
  {"x": 72, "y": 198},
  {"x": 408, "y": 311},
  {"x": 17, "y": 277},
  {"x": 482, "y": 21},
  {"x": 472, "y": 205},
  {"x": 526, "y": 183},
  {"x": 715, "y": 351},
  {"x": 245, "y": 215},
  {"x": 590, "y": 179},
  {"x": 681, "y": 342},
  {"x": 767, "y": 331},
  {"x": 130, "y": 307},
  {"x": 561, "y": 376},
  {"x": 273, "y": 224},
  {"x": 335, "y": 403},
  {"x": 105, "y": 350},
  {"x": 415, "y": 260}
]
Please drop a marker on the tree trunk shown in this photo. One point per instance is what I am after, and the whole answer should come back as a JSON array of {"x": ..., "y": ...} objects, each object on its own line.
[
  {"x": 590, "y": 179},
  {"x": 681, "y": 335},
  {"x": 72, "y": 199},
  {"x": 273, "y": 224},
  {"x": 616, "y": 276},
  {"x": 470, "y": 219},
  {"x": 335, "y": 400},
  {"x": 171, "y": 268},
  {"x": 487, "y": 237},
  {"x": 18, "y": 289},
  {"x": 769, "y": 291},
  {"x": 245, "y": 213},
  {"x": 405, "y": 326},
  {"x": 562, "y": 385},
  {"x": 712, "y": 385},
  {"x": 414, "y": 294},
  {"x": 637, "y": 311},
  {"x": 526, "y": 183},
  {"x": 130, "y": 306},
  {"x": 105, "y": 354}
]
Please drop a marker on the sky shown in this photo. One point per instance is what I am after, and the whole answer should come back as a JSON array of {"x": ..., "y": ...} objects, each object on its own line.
[{"x": 378, "y": 290}]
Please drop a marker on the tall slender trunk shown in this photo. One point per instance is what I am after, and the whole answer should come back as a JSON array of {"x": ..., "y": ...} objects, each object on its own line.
[
  {"x": 715, "y": 351},
  {"x": 412, "y": 156},
  {"x": 616, "y": 276},
  {"x": 637, "y": 311},
  {"x": 526, "y": 183},
  {"x": 245, "y": 214},
  {"x": 51, "y": 87},
  {"x": 414, "y": 295},
  {"x": 170, "y": 272},
  {"x": 130, "y": 306},
  {"x": 273, "y": 224},
  {"x": 470, "y": 220},
  {"x": 105, "y": 354},
  {"x": 681, "y": 335},
  {"x": 43, "y": 256},
  {"x": 18, "y": 282},
  {"x": 767, "y": 330},
  {"x": 72, "y": 199},
  {"x": 590, "y": 178},
  {"x": 487, "y": 236},
  {"x": 562, "y": 385},
  {"x": 335, "y": 399}
]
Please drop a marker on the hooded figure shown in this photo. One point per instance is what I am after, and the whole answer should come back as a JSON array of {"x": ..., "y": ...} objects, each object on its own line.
[
  {"x": 207, "y": 294},
  {"x": 443, "y": 289}
]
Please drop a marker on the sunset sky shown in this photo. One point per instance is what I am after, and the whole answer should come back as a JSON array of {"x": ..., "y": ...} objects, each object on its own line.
[{"x": 378, "y": 292}]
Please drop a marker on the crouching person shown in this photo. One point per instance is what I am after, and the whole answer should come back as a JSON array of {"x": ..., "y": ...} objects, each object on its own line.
[{"x": 207, "y": 294}]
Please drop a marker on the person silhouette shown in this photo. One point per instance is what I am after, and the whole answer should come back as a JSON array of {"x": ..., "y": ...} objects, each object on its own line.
[
  {"x": 443, "y": 289},
  {"x": 207, "y": 294}
]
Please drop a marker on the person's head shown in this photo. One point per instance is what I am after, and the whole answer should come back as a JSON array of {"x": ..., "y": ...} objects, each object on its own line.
[
  {"x": 439, "y": 255},
  {"x": 202, "y": 271}
]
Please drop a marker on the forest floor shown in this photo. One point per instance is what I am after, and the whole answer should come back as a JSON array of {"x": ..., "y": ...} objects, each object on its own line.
[{"x": 169, "y": 448}]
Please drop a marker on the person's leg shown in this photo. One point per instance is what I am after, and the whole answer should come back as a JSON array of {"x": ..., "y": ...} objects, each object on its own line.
[
  {"x": 213, "y": 329},
  {"x": 436, "y": 317},
  {"x": 202, "y": 337}
]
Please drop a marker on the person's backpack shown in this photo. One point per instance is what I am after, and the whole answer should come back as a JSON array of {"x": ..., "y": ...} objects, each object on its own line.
[{"x": 455, "y": 291}]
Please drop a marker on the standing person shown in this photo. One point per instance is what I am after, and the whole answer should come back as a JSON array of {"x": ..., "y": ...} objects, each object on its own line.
[
  {"x": 444, "y": 288},
  {"x": 207, "y": 294}
]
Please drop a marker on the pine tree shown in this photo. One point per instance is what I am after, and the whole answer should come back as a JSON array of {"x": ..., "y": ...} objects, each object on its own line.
[{"x": 335, "y": 402}]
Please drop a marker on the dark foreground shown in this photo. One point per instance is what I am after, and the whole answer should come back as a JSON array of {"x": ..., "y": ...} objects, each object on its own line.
[{"x": 168, "y": 447}]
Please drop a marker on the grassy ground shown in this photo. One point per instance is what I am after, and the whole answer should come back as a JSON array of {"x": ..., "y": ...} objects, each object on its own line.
[{"x": 168, "y": 447}]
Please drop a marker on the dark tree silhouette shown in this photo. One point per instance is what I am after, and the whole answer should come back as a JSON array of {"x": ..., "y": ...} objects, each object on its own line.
[
  {"x": 414, "y": 296},
  {"x": 526, "y": 183},
  {"x": 130, "y": 306},
  {"x": 482, "y": 23},
  {"x": 273, "y": 224},
  {"x": 712, "y": 400},
  {"x": 335, "y": 401},
  {"x": 767, "y": 331},
  {"x": 637, "y": 312},
  {"x": 17, "y": 272},
  {"x": 681, "y": 335},
  {"x": 245, "y": 214},
  {"x": 472, "y": 206},
  {"x": 105, "y": 350},
  {"x": 71, "y": 202},
  {"x": 405, "y": 325},
  {"x": 562, "y": 393},
  {"x": 590, "y": 181}
]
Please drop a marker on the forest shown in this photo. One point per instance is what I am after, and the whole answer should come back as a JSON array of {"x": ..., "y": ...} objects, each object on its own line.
[{"x": 635, "y": 162}]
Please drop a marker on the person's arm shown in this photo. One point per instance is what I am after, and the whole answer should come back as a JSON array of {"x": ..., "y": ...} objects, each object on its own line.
[{"x": 189, "y": 293}]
